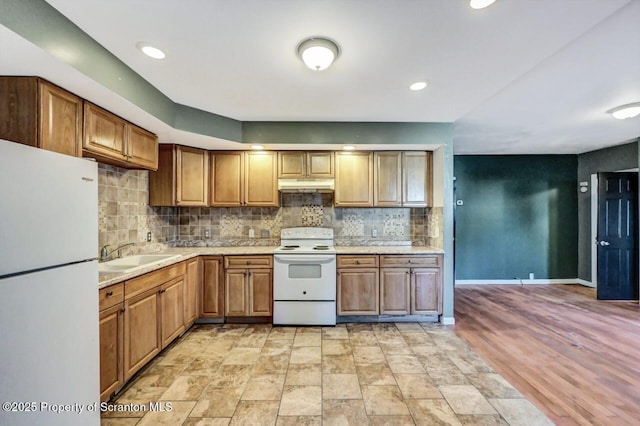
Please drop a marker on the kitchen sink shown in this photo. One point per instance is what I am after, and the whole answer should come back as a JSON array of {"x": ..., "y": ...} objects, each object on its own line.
[{"x": 131, "y": 263}]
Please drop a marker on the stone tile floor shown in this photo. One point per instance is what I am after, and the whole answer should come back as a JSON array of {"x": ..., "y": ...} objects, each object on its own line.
[{"x": 353, "y": 374}]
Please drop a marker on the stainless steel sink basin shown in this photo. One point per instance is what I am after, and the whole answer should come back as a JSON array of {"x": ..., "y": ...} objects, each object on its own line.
[{"x": 131, "y": 263}]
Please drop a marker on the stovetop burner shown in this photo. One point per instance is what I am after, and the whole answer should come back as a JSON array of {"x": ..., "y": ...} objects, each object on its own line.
[
  {"x": 290, "y": 247},
  {"x": 321, "y": 248}
]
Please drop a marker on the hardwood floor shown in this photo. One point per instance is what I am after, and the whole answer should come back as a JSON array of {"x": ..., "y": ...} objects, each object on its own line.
[{"x": 577, "y": 359}]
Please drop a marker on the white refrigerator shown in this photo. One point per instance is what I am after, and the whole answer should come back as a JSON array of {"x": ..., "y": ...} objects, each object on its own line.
[{"x": 49, "y": 335}]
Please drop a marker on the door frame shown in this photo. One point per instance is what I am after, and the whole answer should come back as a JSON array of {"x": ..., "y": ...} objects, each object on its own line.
[{"x": 594, "y": 222}]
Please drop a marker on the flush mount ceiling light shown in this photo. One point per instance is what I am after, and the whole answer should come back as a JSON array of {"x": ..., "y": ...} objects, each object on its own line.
[
  {"x": 318, "y": 53},
  {"x": 480, "y": 4},
  {"x": 626, "y": 111},
  {"x": 151, "y": 51},
  {"x": 418, "y": 85}
]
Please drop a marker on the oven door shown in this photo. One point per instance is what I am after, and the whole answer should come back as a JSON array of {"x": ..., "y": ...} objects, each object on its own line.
[{"x": 304, "y": 277}]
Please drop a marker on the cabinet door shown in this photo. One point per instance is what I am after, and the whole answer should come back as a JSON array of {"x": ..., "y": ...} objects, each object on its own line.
[
  {"x": 191, "y": 290},
  {"x": 260, "y": 292},
  {"x": 18, "y": 109},
  {"x": 291, "y": 164},
  {"x": 320, "y": 165},
  {"x": 358, "y": 291},
  {"x": 192, "y": 176},
  {"x": 60, "y": 120},
  {"x": 425, "y": 291},
  {"x": 261, "y": 179},
  {"x": 111, "y": 351},
  {"x": 141, "y": 331},
  {"x": 212, "y": 305},
  {"x": 394, "y": 291},
  {"x": 354, "y": 179},
  {"x": 172, "y": 310},
  {"x": 236, "y": 292},
  {"x": 104, "y": 133},
  {"x": 142, "y": 147},
  {"x": 227, "y": 184},
  {"x": 416, "y": 179},
  {"x": 388, "y": 179}
]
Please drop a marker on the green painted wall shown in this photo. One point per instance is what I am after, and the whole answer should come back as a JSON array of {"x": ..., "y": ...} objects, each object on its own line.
[{"x": 520, "y": 215}]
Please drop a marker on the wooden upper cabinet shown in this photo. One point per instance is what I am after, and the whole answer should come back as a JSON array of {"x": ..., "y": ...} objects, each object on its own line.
[
  {"x": 143, "y": 147},
  {"x": 182, "y": 178},
  {"x": 104, "y": 133},
  {"x": 354, "y": 179},
  {"x": 417, "y": 179},
  {"x": 113, "y": 140},
  {"x": 37, "y": 113},
  {"x": 260, "y": 179},
  {"x": 227, "y": 179},
  {"x": 244, "y": 179},
  {"x": 296, "y": 164},
  {"x": 388, "y": 179}
]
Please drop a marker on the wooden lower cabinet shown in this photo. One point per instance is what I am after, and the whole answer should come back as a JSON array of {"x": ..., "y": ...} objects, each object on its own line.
[
  {"x": 191, "y": 289},
  {"x": 425, "y": 291},
  {"x": 358, "y": 291},
  {"x": 395, "y": 291},
  {"x": 142, "y": 338},
  {"x": 212, "y": 293},
  {"x": 111, "y": 350},
  {"x": 171, "y": 310},
  {"x": 248, "y": 290},
  {"x": 260, "y": 292}
]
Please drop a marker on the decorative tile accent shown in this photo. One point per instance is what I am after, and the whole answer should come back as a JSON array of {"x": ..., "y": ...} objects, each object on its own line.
[
  {"x": 230, "y": 226},
  {"x": 353, "y": 225},
  {"x": 312, "y": 215}
]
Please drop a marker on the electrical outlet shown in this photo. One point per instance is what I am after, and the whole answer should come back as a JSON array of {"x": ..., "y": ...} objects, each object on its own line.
[
  {"x": 532, "y": 276},
  {"x": 149, "y": 236},
  {"x": 265, "y": 233},
  {"x": 207, "y": 233},
  {"x": 374, "y": 233}
]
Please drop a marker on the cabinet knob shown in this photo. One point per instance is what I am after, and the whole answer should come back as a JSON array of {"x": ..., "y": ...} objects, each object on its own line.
[
  {"x": 109, "y": 293},
  {"x": 162, "y": 291},
  {"x": 357, "y": 262},
  {"x": 409, "y": 260},
  {"x": 248, "y": 262},
  {"x": 408, "y": 272}
]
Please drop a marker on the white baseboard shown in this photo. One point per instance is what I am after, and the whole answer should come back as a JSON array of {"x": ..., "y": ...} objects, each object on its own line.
[
  {"x": 447, "y": 320},
  {"x": 523, "y": 282},
  {"x": 586, "y": 283}
]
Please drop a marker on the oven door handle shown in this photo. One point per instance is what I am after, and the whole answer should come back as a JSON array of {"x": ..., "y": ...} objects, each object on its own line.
[{"x": 300, "y": 258}]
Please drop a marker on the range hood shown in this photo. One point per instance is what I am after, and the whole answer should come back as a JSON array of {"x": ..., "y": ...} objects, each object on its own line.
[{"x": 305, "y": 185}]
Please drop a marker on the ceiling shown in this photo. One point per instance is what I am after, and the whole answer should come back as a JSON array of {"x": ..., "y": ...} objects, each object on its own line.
[{"x": 520, "y": 77}]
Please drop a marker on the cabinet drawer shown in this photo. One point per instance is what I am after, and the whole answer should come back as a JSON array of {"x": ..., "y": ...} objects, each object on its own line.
[
  {"x": 231, "y": 262},
  {"x": 110, "y": 296},
  {"x": 359, "y": 261},
  {"x": 409, "y": 261},
  {"x": 153, "y": 279}
]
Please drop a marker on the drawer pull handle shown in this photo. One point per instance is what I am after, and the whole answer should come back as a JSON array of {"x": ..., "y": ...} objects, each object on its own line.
[
  {"x": 122, "y": 310},
  {"x": 109, "y": 293}
]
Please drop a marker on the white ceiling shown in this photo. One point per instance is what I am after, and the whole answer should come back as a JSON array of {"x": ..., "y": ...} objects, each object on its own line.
[{"x": 522, "y": 76}]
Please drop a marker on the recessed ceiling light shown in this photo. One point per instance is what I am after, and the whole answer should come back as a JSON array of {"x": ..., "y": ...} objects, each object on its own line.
[
  {"x": 257, "y": 147},
  {"x": 151, "y": 51},
  {"x": 348, "y": 147},
  {"x": 418, "y": 85},
  {"x": 480, "y": 4},
  {"x": 626, "y": 111}
]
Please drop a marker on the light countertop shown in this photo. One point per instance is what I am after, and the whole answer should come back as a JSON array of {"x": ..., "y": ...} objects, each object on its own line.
[{"x": 107, "y": 279}]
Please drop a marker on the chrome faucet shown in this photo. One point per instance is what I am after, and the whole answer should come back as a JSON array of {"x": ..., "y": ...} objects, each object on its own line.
[{"x": 107, "y": 255}]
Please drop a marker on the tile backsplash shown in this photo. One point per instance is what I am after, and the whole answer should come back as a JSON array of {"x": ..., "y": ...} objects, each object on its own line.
[{"x": 125, "y": 216}]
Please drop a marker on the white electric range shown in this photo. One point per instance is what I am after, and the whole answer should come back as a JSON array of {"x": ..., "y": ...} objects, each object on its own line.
[{"x": 304, "y": 277}]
